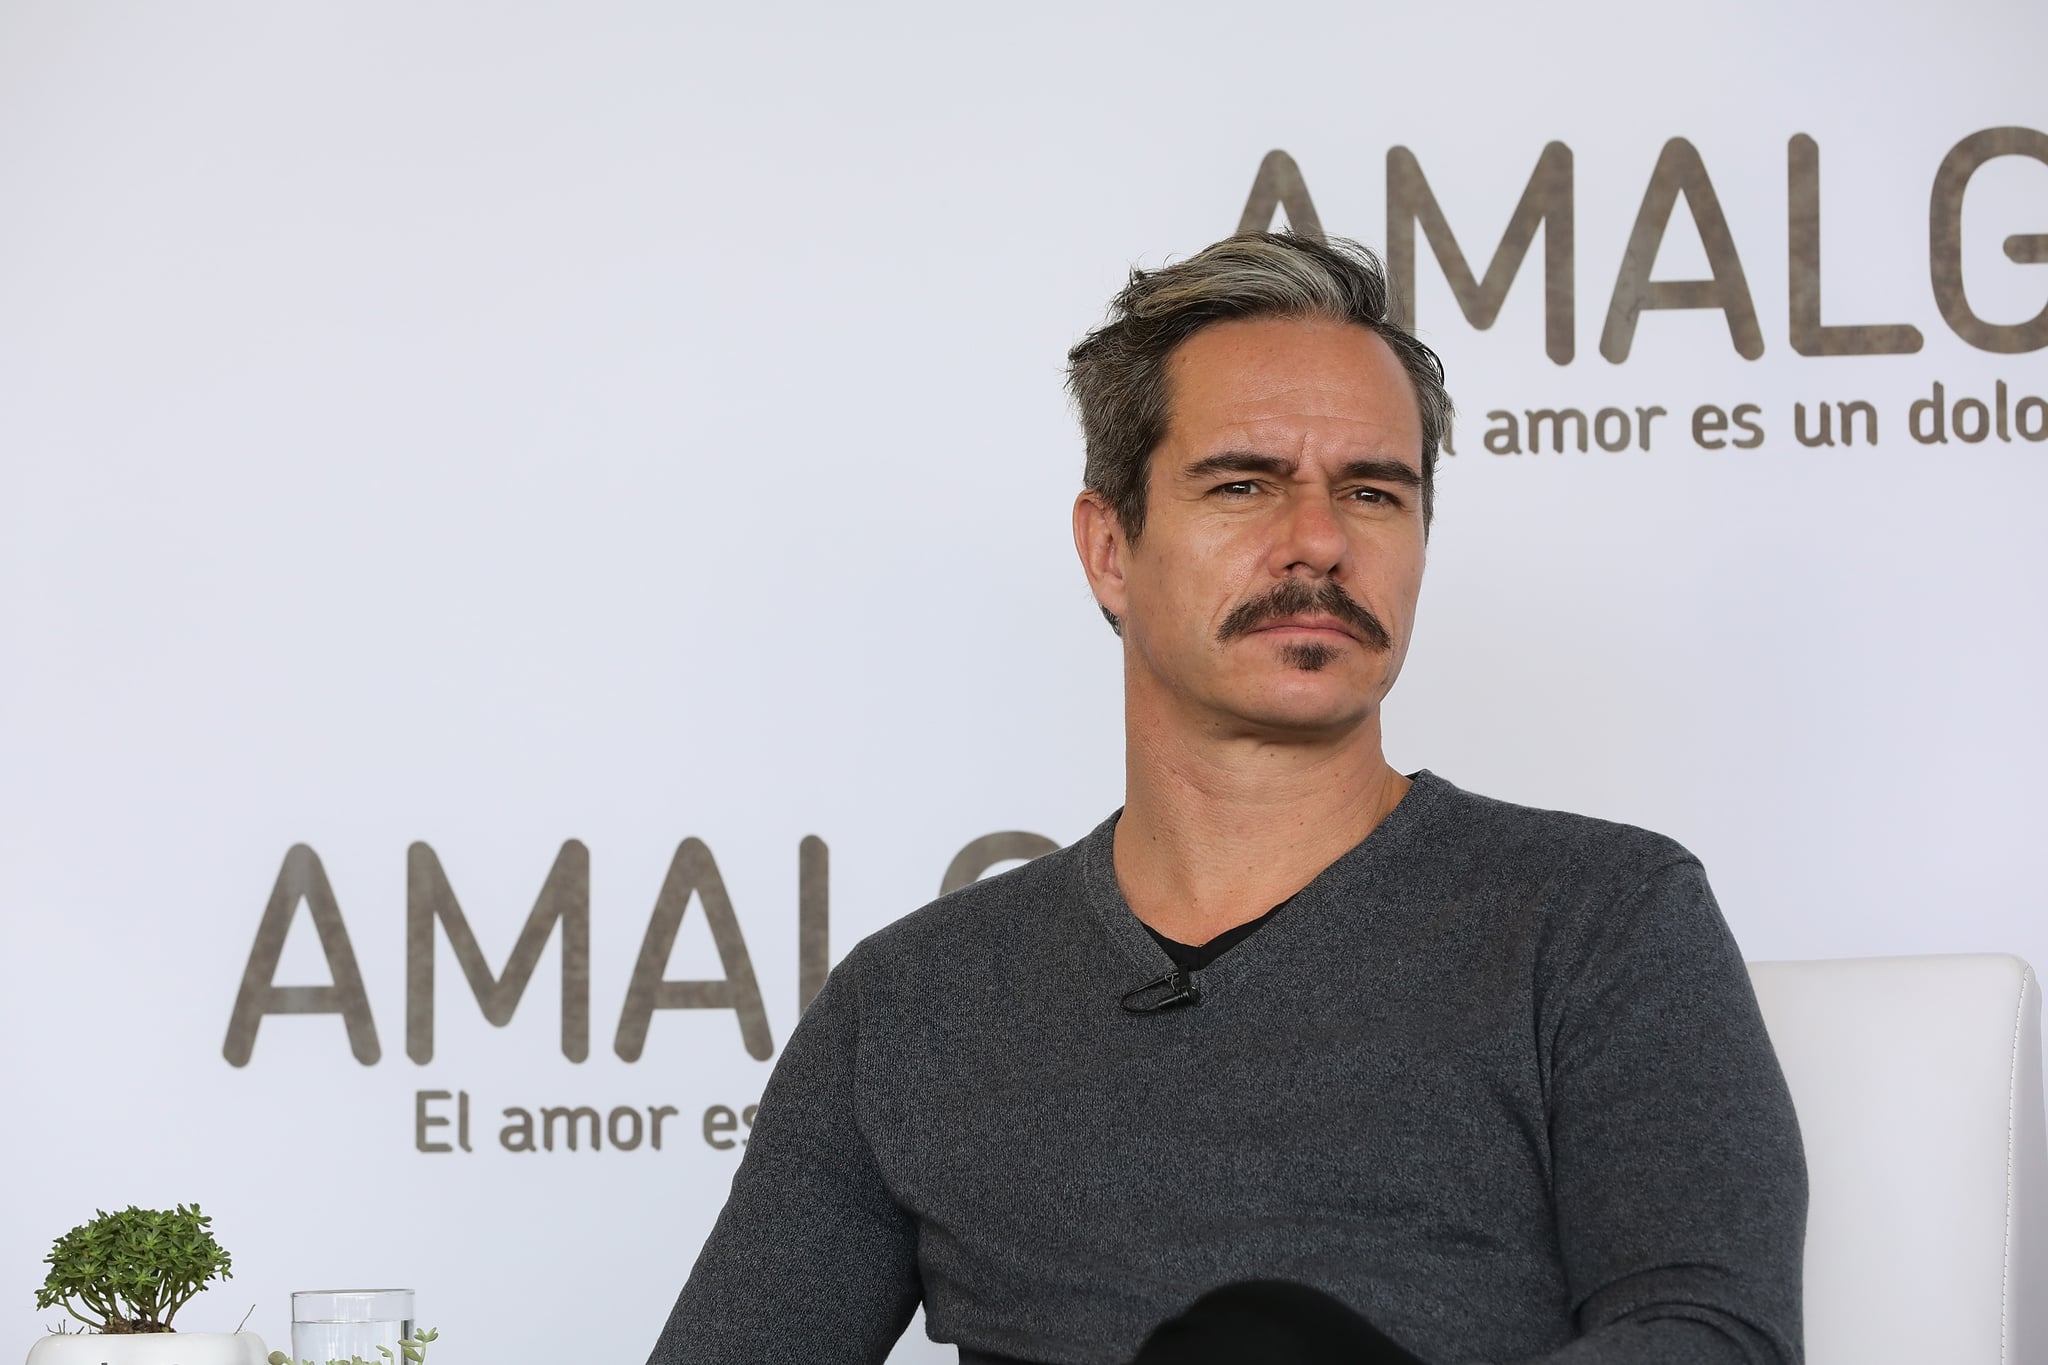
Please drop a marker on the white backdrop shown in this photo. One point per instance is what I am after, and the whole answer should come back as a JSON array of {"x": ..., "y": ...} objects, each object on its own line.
[{"x": 497, "y": 425}]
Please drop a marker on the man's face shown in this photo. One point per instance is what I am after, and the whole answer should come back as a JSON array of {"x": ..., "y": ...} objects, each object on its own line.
[{"x": 1273, "y": 588}]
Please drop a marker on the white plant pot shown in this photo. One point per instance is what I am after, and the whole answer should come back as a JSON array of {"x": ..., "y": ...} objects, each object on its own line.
[{"x": 149, "y": 1348}]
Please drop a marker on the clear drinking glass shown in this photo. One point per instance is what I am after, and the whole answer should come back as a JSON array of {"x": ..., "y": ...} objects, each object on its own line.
[{"x": 349, "y": 1324}]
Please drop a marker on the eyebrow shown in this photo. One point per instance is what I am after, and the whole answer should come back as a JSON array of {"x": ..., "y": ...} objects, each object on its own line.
[
  {"x": 1250, "y": 462},
  {"x": 1240, "y": 462},
  {"x": 1382, "y": 471}
]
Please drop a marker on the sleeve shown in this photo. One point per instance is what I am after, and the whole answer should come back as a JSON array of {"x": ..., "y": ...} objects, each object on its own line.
[
  {"x": 1678, "y": 1174},
  {"x": 811, "y": 1259}
]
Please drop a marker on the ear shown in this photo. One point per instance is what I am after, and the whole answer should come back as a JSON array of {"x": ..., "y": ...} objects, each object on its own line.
[{"x": 1099, "y": 540}]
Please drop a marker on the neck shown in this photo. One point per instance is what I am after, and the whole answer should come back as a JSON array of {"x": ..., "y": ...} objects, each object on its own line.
[{"x": 1217, "y": 831}]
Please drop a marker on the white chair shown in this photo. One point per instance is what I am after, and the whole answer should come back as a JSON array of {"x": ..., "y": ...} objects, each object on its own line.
[{"x": 1918, "y": 1085}]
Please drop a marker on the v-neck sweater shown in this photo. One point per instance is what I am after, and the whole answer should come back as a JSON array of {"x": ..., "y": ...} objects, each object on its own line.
[{"x": 1496, "y": 1079}]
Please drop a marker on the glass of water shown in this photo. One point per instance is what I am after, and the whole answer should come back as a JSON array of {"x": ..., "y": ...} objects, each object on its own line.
[{"x": 348, "y": 1325}]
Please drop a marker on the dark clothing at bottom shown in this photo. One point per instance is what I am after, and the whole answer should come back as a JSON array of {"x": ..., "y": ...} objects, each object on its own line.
[
  {"x": 1260, "y": 1322},
  {"x": 1270, "y": 1322}
]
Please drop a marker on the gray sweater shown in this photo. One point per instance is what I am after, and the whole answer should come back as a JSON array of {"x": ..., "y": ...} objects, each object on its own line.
[{"x": 1496, "y": 1078}]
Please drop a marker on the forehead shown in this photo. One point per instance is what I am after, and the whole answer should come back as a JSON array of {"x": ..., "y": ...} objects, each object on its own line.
[{"x": 1310, "y": 385}]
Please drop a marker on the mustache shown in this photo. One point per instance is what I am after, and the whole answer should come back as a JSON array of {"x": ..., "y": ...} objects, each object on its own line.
[{"x": 1296, "y": 597}]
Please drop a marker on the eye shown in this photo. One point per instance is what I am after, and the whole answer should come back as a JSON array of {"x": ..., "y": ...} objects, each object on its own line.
[
  {"x": 1373, "y": 497},
  {"x": 1237, "y": 488}
]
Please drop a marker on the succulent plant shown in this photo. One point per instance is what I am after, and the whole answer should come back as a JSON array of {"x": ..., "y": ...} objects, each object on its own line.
[{"x": 132, "y": 1271}]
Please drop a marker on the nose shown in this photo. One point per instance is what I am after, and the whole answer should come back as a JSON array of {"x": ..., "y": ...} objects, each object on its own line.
[{"x": 1311, "y": 537}]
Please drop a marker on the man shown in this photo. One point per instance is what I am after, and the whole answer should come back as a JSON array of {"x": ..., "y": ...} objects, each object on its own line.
[{"x": 1490, "y": 1079}]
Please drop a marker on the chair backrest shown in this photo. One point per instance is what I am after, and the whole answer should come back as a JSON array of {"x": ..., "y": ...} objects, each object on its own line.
[{"x": 1918, "y": 1085}]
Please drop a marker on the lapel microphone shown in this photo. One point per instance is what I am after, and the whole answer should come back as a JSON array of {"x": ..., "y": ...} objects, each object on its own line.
[{"x": 1171, "y": 991}]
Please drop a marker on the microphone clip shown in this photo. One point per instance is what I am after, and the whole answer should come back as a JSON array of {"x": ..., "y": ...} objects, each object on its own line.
[{"x": 1171, "y": 991}]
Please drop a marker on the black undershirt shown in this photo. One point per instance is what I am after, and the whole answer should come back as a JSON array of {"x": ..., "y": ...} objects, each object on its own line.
[{"x": 1195, "y": 956}]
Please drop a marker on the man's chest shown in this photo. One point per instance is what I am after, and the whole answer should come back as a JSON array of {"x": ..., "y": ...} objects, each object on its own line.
[{"x": 1340, "y": 1118}]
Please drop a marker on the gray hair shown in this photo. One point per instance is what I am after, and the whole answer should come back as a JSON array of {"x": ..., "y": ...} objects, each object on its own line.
[{"x": 1117, "y": 374}]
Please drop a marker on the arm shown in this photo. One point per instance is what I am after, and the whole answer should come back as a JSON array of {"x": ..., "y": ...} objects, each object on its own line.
[
  {"x": 811, "y": 1259},
  {"x": 1679, "y": 1179}
]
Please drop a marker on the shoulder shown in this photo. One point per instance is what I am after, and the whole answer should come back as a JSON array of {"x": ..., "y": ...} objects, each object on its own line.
[
  {"x": 1546, "y": 845},
  {"x": 996, "y": 915},
  {"x": 1581, "y": 886},
  {"x": 1604, "y": 902}
]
